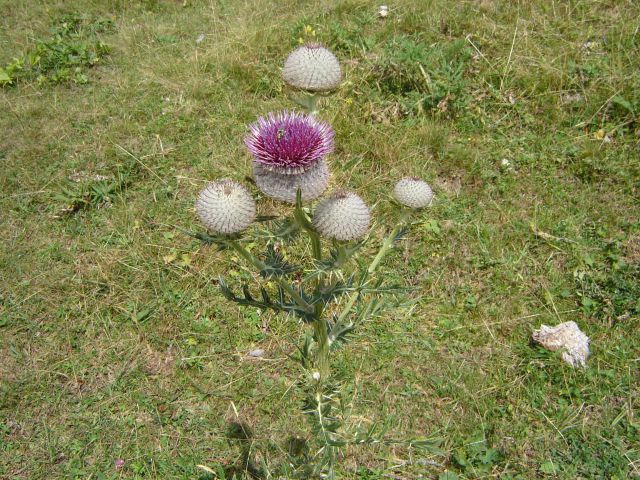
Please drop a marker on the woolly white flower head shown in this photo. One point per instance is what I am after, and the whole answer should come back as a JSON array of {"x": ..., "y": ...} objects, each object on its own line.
[
  {"x": 343, "y": 216},
  {"x": 225, "y": 207},
  {"x": 413, "y": 192},
  {"x": 284, "y": 187},
  {"x": 312, "y": 67}
]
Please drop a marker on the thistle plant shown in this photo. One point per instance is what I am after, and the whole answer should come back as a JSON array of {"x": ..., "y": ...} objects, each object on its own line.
[
  {"x": 333, "y": 288},
  {"x": 336, "y": 293}
]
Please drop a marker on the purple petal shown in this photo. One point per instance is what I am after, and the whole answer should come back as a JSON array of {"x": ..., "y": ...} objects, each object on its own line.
[{"x": 289, "y": 140}]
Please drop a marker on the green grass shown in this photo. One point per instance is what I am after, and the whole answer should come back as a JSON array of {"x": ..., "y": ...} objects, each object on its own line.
[{"x": 115, "y": 342}]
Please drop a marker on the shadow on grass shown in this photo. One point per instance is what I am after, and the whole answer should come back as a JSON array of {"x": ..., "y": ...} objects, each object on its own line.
[{"x": 251, "y": 463}]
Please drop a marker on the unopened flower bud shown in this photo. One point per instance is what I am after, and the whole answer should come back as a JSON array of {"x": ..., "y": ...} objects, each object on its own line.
[
  {"x": 225, "y": 207},
  {"x": 312, "y": 67},
  {"x": 343, "y": 216},
  {"x": 413, "y": 192}
]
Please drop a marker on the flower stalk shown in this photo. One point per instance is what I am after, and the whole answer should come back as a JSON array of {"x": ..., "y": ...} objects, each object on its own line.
[{"x": 389, "y": 241}]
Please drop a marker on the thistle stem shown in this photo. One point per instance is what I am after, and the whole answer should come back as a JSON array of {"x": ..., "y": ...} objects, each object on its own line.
[
  {"x": 304, "y": 223},
  {"x": 388, "y": 243},
  {"x": 313, "y": 104},
  {"x": 244, "y": 253},
  {"x": 322, "y": 337},
  {"x": 315, "y": 244}
]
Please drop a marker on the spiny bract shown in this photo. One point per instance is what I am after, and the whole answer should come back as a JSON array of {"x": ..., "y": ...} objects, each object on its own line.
[
  {"x": 312, "y": 182},
  {"x": 413, "y": 192},
  {"x": 312, "y": 67},
  {"x": 225, "y": 206},
  {"x": 343, "y": 216}
]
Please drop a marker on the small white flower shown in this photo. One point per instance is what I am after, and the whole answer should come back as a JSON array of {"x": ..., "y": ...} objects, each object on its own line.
[
  {"x": 413, "y": 192},
  {"x": 225, "y": 207},
  {"x": 383, "y": 11},
  {"x": 505, "y": 165}
]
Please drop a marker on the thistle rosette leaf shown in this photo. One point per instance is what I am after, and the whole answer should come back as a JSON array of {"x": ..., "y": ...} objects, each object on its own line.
[
  {"x": 413, "y": 192},
  {"x": 312, "y": 67},
  {"x": 289, "y": 143},
  {"x": 225, "y": 207},
  {"x": 344, "y": 216}
]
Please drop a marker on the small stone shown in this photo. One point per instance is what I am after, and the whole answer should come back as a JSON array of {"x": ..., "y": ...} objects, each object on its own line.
[
  {"x": 200, "y": 38},
  {"x": 257, "y": 353},
  {"x": 383, "y": 11},
  {"x": 567, "y": 337},
  {"x": 571, "y": 97}
]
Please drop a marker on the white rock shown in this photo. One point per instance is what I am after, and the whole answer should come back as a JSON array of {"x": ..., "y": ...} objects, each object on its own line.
[
  {"x": 258, "y": 352},
  {"x": 567, "y": 337},
  {"x": 383, "y": 11}
]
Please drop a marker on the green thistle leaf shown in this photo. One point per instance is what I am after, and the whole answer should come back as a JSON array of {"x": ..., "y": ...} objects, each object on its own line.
[
  {"x": 276, "y": 265},
  {"x": 267, "y": 302},
  {"x": 217, "y": 240}
]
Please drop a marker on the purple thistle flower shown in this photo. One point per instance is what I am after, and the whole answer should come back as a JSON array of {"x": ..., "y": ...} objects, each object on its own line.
[{"x": 289, "y": 142}]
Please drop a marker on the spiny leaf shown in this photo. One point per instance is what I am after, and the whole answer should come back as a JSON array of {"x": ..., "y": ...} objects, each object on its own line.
[
  {"x": 285, "y": 230},
  {"x": 266, "y": 303},
  {"x": 339, "y": 332},
  {"x": 401, "y": 235},
  {"x": 276, "y": 265},
  {"x": 217, "y": 240},
  {"x": 332, "y": 291},
  {"x": 320, "y": 408}
]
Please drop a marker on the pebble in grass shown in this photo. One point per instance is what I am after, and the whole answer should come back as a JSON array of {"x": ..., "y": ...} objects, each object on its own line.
[{"x": 567, "y": 337}]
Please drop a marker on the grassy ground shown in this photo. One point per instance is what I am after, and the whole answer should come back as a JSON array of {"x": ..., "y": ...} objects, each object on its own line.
[{"x": 115, "y": 343}]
